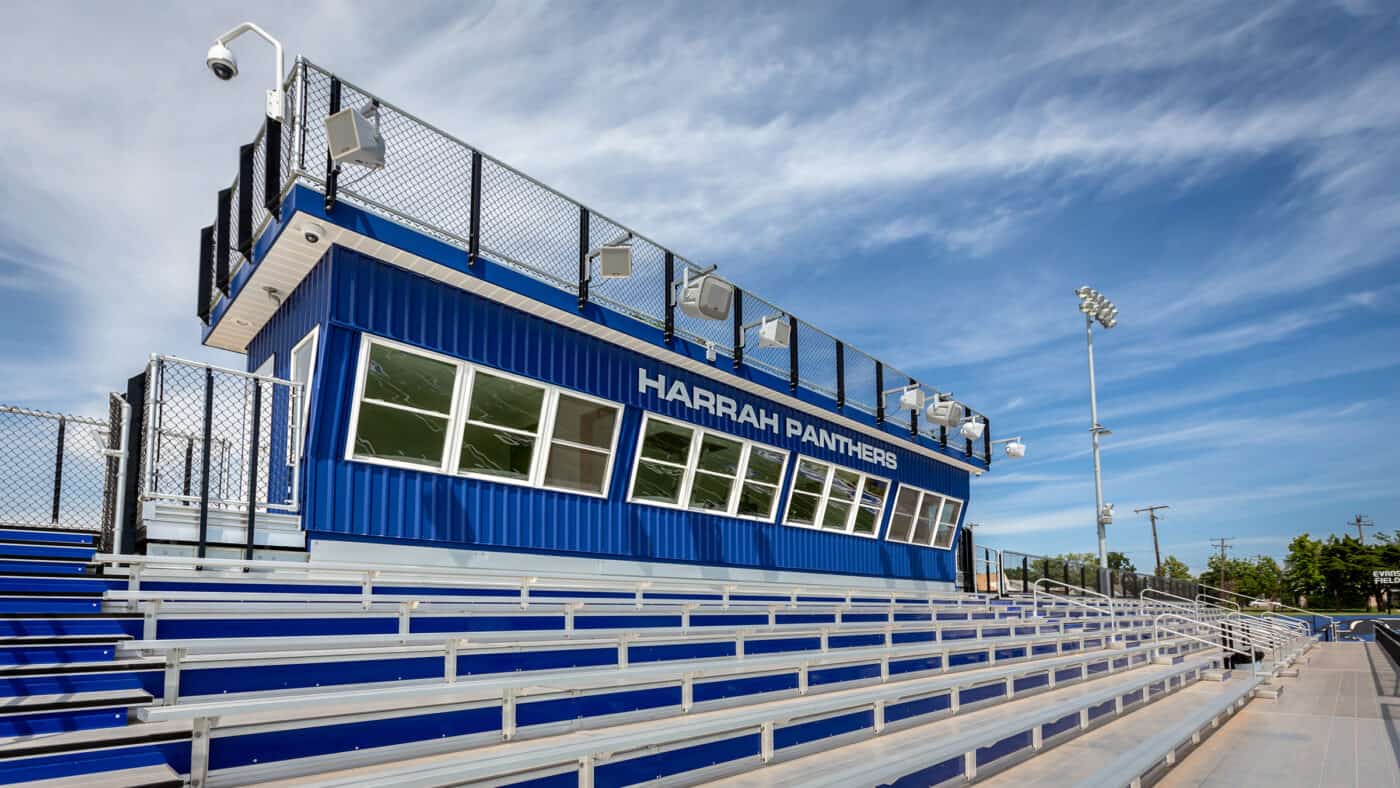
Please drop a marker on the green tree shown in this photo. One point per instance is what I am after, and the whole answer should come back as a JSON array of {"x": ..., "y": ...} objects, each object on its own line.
[
  {"x": 1303, "y": 569},
  {"x": 1174, "y": 568},
  {"x": 1346, "y": 567},
  {"x": 1119, "y": 562}
]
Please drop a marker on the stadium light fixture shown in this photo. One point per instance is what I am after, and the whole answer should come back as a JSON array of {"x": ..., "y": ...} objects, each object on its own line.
[
  {"x": 705, "y": 296},
  {"x": 945, "y": 411},
  {"x": 224, "y": 65},
  {"x": 1095, "y": 306},
  {"x": 972, "y": 428}
]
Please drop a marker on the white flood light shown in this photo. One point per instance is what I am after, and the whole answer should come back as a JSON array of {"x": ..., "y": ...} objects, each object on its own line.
[
  {"x": 1015, "y": 449},
  {"x": 911, "y": 398},
  {"x": 774, "y": 332},
  {"x": 972, "y": 429},
  {"x": 945, "y": 413},
  {"x": 706, "y": 297},
  {"x": 224, "y": 65},
  {"x": 353, "y": 139},
  {"x": 614, "y": 261}
]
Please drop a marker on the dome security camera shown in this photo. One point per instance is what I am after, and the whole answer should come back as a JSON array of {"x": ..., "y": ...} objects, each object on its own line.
[
  {"x": 312, "y": 232},
  {"x": 222, "y": 62}
]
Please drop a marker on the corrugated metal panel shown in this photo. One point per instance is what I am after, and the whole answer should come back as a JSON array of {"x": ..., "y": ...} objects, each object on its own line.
[{"x": 362, "y": 500}]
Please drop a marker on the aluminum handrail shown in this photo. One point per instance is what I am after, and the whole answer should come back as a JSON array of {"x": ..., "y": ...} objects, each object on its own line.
[
  {"x": 1202, "y": 597},
  {"x": 1333, "y": 622},
  {"x": 369, "y": 574},
  {"x": 1195, "y": 604},
  {"x": 1157, "y": 628},
  {"x": 1037, "y": 592}
]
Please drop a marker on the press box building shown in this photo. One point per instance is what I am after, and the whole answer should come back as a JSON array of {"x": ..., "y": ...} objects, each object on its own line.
[{"x": 468, "y": 389}]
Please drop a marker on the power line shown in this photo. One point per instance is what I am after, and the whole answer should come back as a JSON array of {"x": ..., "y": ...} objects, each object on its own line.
[
  {"x": 1361, "y": 521},
  {"x": 1223, "y": 543},
  {"x": 1152, "y": 514}
]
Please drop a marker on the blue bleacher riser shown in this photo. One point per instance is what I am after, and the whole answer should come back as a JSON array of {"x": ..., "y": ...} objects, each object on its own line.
[
  {"x": 66, "y": 537},
  {"x": 54, "y": 627},
  {"x": 55, "y": 654},
  {"x": 61, "y": 683},
  {"x": 61, "y": 720},
  {"x": 44, "y": 567},
  {"x": 55, "y": 604},
  {"x": 47, "y": 551},
  {"x": 176, "y": 754},
  {"x": 58, "y": 585}
]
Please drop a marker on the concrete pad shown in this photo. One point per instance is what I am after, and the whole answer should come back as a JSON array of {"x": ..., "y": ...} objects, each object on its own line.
[{"x": 1336, "y": 725}]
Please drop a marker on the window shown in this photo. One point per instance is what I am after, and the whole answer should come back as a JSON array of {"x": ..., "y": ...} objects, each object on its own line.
[
  {"x": 834, "y": 498},
  {"x": 689, "y": 468},
  {"x": 303, "y": 366},
  {"x": 924, "y": 518},
  {"x": 499, "y": 427}
]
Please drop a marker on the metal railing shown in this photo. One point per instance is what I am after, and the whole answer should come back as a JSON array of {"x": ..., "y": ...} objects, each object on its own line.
[
  {"x": 440, "y": 186},
  {"x": 63, "y": 472},
  {"x": 1017, "y": 571},
  {"x": 219, "y": 438},
  {"x": 1106, "y": 608},
  {"x": 1195, "y": 626},
  {"x": 1330, "y": 628}
]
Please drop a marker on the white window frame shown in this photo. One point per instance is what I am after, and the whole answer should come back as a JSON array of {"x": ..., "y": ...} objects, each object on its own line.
[
  {"x": 825, "y": 498},
  {"x": 462, "y": 387},
  {"x": 943, "y": 500},
  {"x": 691, "y": 469},
  {"x": 298, "y": 438}
]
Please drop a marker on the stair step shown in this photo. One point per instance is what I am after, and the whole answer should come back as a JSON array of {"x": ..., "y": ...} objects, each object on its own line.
[
  {"x": 153, "y": 776},
  {"x": 56, "y": 713},
  {"x": 9, "y": 533},
  {"x": 49, "y": 567},
  {"x": 77, "y": 678},
  {"x": 22, "y": 630},
  {"x": 19, "y": 550},
  {"x": 11, "y": 602},
  {"x": 22, "y": 584}
]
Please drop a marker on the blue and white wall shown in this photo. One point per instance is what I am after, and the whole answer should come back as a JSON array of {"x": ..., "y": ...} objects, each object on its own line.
[{"x": 349, "y": 294}]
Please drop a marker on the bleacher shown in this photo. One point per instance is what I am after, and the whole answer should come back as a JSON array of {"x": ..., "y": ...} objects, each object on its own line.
[{"x": 144, "y": 670}]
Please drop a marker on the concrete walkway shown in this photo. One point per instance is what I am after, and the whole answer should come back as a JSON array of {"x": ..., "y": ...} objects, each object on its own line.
[{"x": 1338, "y": 724}]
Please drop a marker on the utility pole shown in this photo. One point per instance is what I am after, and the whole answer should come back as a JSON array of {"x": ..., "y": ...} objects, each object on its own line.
[
  {"x": 1152, "y": 514},
  {"x": 1223, "y": 543},
  {"x": 1362, "y": 521}
]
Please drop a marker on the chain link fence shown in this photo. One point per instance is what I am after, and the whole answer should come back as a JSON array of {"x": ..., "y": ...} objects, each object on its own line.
[
  {"x": 437, "y": 185},
  {"x": 61, "y": 471},
  {"x": 220, "y": 435}
]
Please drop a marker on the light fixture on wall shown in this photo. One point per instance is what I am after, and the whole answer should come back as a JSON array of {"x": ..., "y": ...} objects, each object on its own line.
[
  {"x": 774, "y": 331},
  {"x": 945, "y": 411},
  {"x": 705, "y": 296},
  {"x": 352, "y": 137},
  {"x": 972, "y": 428},
  {"x": 1015, "y": 449}
]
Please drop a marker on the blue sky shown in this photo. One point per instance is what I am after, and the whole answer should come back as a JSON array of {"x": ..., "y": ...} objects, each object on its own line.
[{"x": 928, "y": 181}]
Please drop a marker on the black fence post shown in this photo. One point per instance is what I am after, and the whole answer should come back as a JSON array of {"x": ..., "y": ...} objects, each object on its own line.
[
  {"x": 582, "y": 258},
  {"x": 204, "y": 289},
  {"x": 135, "y": 432},
  {"x": 244, "y": 241},
  {"x": 58, "y": 470},
  {"x": 332, "y": 169},
  {"x": 914, "y": 416},
  {"x": 272, "y": 167},
  {"x": 987, "y": 439},
  {"x": 840, "y": 375},
  {"x": 943, "y": 436},
  {"x": 879, "y": 393},
  {"x": 253, "y": 468},
  {"x": 222, "y": 230},
  {"x": 792, "y": 353},
  {"x": 204, "y": 462},
  {"x": 738, "y": 339},
  {"x": 189, "y": 466},
  {"x": 669, "y": 330},
  {"x": 474, "y": 228}
]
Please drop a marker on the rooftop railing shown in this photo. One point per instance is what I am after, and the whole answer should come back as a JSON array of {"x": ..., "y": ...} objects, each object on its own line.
[{"x": 446, "y": 189}]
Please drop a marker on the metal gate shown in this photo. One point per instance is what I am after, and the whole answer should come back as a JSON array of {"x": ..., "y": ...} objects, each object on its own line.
[{"x": 61, "y": 471}]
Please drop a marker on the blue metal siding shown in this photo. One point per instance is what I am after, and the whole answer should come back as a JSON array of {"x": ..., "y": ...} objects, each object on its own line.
[{"x": 360, "y": 500}]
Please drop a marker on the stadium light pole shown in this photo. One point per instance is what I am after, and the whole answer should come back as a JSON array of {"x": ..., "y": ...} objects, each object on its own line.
[{"x": 1096, "y": 307}]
